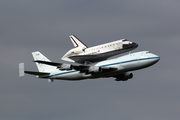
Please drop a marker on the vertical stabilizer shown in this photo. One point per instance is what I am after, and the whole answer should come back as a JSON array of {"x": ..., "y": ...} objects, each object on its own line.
[
  {"x": 42, "y": 67},
  {"x": 76, "y": 42}
]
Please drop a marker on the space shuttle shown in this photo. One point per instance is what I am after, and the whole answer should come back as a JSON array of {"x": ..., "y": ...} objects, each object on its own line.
[{"x": 82, "y": 54}]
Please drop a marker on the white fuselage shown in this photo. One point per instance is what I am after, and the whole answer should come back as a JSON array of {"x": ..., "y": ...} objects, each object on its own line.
[
  {"x": 105, "y": 47},
  {"x": 123, "y": 64}
]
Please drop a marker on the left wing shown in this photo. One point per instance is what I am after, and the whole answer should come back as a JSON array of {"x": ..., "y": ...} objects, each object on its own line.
[
  {"x": 36, "y": 73},
  {"x": 82, "y": 68}
]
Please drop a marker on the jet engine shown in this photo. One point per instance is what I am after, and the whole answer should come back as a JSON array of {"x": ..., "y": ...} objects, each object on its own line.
[
  {"x": 65, "y": 67},
  {"x": 78, "y": 50},
  {"x": 95, "y": 69},
  {"x": 124, "y": 77}
]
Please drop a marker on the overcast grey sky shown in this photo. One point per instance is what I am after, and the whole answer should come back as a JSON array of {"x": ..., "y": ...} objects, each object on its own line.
[{"x": 31, "y": 25}]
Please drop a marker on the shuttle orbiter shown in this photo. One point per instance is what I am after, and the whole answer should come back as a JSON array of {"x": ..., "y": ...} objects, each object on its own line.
[{"x": 81, "y": 53}]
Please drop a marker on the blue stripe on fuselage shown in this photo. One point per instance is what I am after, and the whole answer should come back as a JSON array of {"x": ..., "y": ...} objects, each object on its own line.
[
  {"x": 128, "y": 61},
  {"x": 102, "y": 66},
  {"x": 60, "y": 74}
]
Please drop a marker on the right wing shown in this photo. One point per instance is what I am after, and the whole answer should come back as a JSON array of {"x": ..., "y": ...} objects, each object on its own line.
[{"x": 81, "y": 68}]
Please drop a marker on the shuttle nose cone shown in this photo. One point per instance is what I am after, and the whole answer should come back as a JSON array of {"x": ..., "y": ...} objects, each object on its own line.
[
  {"x": 130, "y": 46},
  {"x": 135, "y": 45}
]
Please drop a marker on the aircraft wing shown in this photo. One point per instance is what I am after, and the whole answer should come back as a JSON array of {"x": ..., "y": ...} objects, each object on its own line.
[
  {"x": 90, "y": 58},
  {"x": 36, "y": 73},
  {"x": 81, "y": 68}
]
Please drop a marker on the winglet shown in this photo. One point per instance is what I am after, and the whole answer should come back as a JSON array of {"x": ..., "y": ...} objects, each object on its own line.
[{"x": 21, "y": 69}]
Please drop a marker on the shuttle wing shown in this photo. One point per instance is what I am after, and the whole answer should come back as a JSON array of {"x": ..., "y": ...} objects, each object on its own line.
[{"x": 90, "y": 58}]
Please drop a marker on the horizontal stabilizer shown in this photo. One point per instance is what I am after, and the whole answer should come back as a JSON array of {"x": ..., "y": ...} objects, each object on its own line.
[
  {"x": 36, "y": 73},
  {"x": 21, "y": 69}
]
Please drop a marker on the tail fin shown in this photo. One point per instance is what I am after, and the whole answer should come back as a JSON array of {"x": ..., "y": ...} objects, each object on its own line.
[
  {"x": 42, "y": 67},
  {"x": 76, "y": 42}
]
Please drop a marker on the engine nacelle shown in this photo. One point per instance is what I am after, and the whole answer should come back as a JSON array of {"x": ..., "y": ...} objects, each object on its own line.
[
  {"x": 78, "y": 50},
  {"x": 124, "y": 77},
  {"x": 95, "y": 69},
  {"x": 65, "y": 67}
]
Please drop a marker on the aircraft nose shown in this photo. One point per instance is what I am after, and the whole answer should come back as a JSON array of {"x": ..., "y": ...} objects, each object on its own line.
[{"x": 156, "y": 58}]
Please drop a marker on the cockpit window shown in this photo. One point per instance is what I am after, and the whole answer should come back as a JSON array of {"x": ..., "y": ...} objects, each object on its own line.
[{"x": 148, "y": 52}]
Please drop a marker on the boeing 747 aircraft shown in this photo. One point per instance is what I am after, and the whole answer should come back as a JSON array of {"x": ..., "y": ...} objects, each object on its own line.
[
  {"x": 82, "y": 53},
  {"x": 118, "y": 68}
]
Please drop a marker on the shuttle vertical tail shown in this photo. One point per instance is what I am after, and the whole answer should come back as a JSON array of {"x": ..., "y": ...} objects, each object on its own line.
[
  {"x": 76, "y": 42},
  {"x": 42, "y": 67}
]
